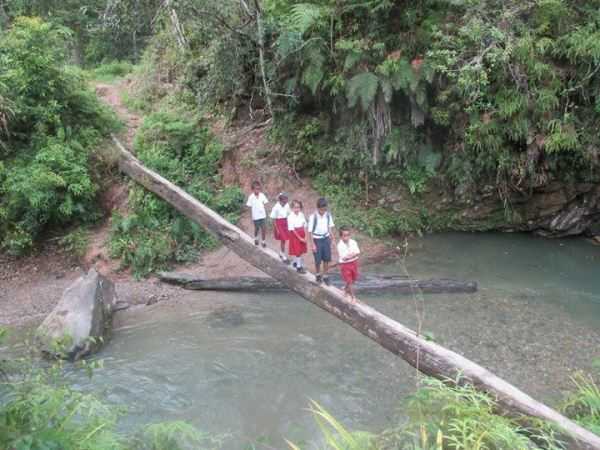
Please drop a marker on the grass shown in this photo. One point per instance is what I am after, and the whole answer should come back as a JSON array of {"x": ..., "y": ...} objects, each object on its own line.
[{"x": 111, "y": 71}]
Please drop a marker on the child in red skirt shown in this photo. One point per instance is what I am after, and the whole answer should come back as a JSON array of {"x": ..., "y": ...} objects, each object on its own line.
[
  {"x": 297, "y": 229},
  {"x": 348, "y": 253},
  {"x": 279, "y": 214}
]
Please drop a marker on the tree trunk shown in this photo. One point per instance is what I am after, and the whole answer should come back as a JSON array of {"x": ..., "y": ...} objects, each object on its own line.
[
  {"x": 261, "y": 56},
  {"x": 428, "y": 357},
  {"x": 367, "y": 283}
]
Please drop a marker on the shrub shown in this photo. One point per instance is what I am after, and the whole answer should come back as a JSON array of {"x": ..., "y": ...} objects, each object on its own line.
[
  {"x": 111, "y": 70},
  {"x": 180, "y": 148},
  {"x": 76, "y": 242},
  {"x": 54, "y": 121}
]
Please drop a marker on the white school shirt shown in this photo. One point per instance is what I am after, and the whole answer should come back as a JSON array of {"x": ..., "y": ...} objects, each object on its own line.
[
  {"x": 257, "y": 203},
  {"x": 347, "y": 249},
  {"x": 296, "y": 221},
  {"x": 280, "y": 212},
  {"x": 320, "y": 230}
]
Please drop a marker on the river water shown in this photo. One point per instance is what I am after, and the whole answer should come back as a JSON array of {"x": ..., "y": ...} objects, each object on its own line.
[{"x": 244, "y": 366}]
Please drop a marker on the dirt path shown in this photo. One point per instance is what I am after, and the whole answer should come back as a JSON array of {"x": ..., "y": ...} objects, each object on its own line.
[{"x": 30, "y": 287}]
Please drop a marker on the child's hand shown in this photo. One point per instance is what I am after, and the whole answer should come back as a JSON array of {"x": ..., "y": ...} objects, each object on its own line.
[{"x": 314, "y": 248}]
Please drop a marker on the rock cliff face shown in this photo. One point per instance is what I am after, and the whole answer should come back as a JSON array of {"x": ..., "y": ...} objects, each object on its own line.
[
  {"x": 556, "y": 210},
  {"x": 82, "y": 320}
]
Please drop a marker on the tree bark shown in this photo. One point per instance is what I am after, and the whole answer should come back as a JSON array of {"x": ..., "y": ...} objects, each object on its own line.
[
  {"x": 260, "y": 34},
  {"x": 367, "y": 283},
  {"x": 427, "y": 356}
]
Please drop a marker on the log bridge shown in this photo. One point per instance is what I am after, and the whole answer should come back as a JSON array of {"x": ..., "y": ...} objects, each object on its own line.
[{"x": 426, "y": 356}]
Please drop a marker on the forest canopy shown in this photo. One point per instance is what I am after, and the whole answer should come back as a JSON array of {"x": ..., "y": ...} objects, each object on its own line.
[{"x": 472, "y": 95}]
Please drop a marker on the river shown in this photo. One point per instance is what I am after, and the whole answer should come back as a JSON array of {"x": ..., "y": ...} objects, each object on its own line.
[{"x": 244, "y": 366}]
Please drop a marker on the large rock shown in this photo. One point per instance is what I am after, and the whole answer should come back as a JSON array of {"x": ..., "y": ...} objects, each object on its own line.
[{"x": 82, "y": 320}]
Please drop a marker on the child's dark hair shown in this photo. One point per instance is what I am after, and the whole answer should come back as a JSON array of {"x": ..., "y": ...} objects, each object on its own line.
[
  {"x": 297, "y": 202},
  {"x": 344, "y": 228},
  {"x": 255, "y": 184},
  {"x": 322, "y": 203}
]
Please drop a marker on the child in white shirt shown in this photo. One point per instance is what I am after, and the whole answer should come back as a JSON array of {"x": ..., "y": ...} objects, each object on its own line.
[
  {"x": 279, "y": 214},
  {"x": 256, "y": 202},
  {"x": 348, "y": 252},
  {"x": 297, "y": 229}
]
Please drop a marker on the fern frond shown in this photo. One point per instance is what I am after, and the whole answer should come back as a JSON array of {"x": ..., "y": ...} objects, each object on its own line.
[
  {"x": 304, "y": 16},
  {"x": 314, "y": 72},
  {"x": 351, "y": 60},
  {"x": 362, "y": 87}
]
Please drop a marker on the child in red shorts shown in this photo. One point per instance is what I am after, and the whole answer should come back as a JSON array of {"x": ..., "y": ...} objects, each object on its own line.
[
  {"x": 279, "y": 214},
  {"x": 348, "y": 253}
]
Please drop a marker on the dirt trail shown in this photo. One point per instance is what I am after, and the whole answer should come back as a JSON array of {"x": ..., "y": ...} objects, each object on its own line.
[{"x": 30, "y": 287}]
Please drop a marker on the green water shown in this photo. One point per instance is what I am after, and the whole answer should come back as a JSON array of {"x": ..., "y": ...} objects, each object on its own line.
[{"x": 535, "y": 318}]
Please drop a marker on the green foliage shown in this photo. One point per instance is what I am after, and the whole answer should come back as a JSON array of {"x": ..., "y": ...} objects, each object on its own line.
[
  {"x": 55, "y": 120},
  {"x": 179, "y": 147},
  {"x": 375, "y": 221},
  {"x": 100, "y": 30},
  {"x": 173, "y": 436},
  {"x": 110, "y": 71},
  {"x": 444, "y": 416},
  {"x": 76, "y": 242},
  {"x": 362, "y": 88},
  {"x": 336, "y": 436},
  {"x": 583, "y": 404}
]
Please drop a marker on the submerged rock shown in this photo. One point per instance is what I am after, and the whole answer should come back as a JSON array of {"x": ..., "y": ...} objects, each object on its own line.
[
  {"x": 82, "y": 320},
  {"x": 226, "y": 317}
]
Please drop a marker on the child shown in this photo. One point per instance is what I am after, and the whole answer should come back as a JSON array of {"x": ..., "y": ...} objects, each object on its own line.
[
  {"x": 296, "y": 227},
  {"x": 320, "y": 225},
  {"x": 348, "y": 252},
  {"x": 257, "y": 201},
  {"x": 279, "y": 214}
]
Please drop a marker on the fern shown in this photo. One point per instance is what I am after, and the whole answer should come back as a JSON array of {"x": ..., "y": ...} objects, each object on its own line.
[
  {"x": 304, "y": 16},
  {"x": 314, "y": 72},
  {"x": 362, "y": 87}
]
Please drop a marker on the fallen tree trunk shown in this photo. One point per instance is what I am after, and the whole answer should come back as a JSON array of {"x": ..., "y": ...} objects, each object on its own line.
[
  {"x": 427, "y": 356},
  {"x": 368, "y": 283}
]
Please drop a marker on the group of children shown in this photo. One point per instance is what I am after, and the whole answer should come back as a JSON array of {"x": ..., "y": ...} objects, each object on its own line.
[{"x": 290, "y": 226}]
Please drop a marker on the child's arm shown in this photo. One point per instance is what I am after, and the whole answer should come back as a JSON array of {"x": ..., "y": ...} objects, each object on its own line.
[
  {"x": 300, "y": 238},
  {"x": 350, "y": 256},
  {"x": 353, "y": 253}
]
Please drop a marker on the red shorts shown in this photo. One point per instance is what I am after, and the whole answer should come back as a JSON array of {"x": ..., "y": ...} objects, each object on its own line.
[
  {"x": 349, "y": 271},
  {"x": 280, "y": 230}
]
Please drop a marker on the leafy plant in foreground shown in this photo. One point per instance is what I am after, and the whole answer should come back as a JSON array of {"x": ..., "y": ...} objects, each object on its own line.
[{"x": 583, "y": 404}]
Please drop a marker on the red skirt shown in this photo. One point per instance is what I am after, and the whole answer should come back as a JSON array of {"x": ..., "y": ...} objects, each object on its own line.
[
  {"x": 280, "y": 230},
  {"x": 349, "y": 271},
  {"x": 297, "y": 247}
]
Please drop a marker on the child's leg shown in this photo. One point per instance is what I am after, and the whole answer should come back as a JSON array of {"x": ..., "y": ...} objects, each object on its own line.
[
  {"x": 351, "y": 291},
  {"x": 282, "y": 247},
  {"x": 264, "y": 231},
  {"x": 256, "y": 227}
]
